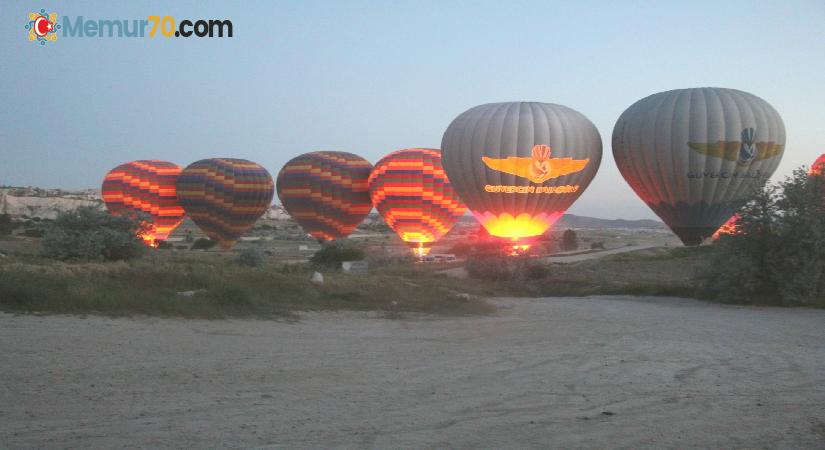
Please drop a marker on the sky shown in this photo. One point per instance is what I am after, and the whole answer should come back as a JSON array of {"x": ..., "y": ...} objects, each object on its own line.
[{"x": 370, "y": 77}]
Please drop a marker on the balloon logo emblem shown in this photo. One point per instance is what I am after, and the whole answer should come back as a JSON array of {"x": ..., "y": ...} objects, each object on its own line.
[
  {"x": 743, "y": 151},
  {"x": 539, "y": 167}
]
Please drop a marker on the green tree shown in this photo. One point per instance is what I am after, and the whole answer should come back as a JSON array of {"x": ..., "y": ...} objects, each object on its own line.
[
  {"x": 777, "y": 256},
  {"x": 801, "y": 253},
  {"x": 89, "y": 234},
  {"x": 6, "y": 225},
  {"x": 332, "y": 254},
  {"x": 569, "y": 240}
]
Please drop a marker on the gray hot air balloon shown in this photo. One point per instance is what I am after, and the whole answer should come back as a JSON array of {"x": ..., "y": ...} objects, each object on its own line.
[
  {"x": 519, "y": 165},
  {"x": 693, "y": 155}
]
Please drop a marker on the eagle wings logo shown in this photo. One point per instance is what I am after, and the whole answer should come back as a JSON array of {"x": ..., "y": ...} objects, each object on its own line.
[
  {"x": 539, "y": 167},
  {"x": 742, "y": 151}
]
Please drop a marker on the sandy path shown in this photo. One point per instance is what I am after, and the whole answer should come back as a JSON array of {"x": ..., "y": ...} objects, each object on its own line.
[{"x": 596, "y": 372}]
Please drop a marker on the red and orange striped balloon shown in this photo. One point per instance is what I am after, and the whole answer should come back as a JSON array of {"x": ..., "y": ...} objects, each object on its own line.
[
  {"x": 326, "y": 193},
  {"x": 225, "y": 196},
  {"x": 145, "y": 187},
  {"x": 411, "y": 191},
  {"x": 818, "y": 167}
]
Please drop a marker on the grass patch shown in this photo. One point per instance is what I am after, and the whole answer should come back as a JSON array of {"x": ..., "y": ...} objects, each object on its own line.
[{"x": 216, "y": 289}]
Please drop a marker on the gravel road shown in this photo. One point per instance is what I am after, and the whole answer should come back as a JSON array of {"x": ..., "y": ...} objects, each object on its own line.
[{"x": 618, "y": 372}]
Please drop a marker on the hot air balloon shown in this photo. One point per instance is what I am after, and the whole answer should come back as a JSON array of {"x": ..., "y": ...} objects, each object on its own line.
[
  {"x": 225, "y": 196},
  {"x": 693, "y": 155},
  {"x": 519, "y": 165},
  {"x": 818, "y": 167},
  {"x": 326, "y": 192},
  {"x": 410, "y": 190},
  {"x": 145, "y": 187}
]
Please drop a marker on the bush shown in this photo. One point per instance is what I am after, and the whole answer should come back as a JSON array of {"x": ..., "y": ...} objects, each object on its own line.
[
  {"x": 490, "y": 267},
  {"x": 203, "y": 244},
  {"x": 89, "y": 234},
  {"x": 33, "y": 232},
  {"x": 570, "y": 241},
  {"x": 462, "y": 248},
  {"x": 6, "y": 225},
  {"x": 536, "y": 271},
  {"x": 163, "y": 245},
  {"x": 250, "y": 257},
  {"x": 332, "y": 254},
  {"x": 777, "y": 256}
]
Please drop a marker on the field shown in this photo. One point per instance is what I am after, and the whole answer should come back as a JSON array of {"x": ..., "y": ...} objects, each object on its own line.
[
  {"x": 210, "y": 284},
  {"x": 589, "y": 348}
]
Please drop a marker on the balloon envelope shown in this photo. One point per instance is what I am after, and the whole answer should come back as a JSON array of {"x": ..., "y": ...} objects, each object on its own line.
[
  {"x": 326, "y": 192},
  {"x": 225, "y": 196},
  {"x": 410, "y": 190},
  {"x": 518, "y": 166},
  {"x": 145, "y": 187},
  {"x": 818, "y": 167},
  {"x": 694, "y": 155}
]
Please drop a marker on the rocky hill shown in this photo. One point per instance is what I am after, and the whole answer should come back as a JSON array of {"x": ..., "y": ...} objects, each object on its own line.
[{"x": 46, "y": 204}]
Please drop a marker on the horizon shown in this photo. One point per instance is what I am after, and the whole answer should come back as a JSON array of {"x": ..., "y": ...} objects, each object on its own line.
[{"x": 381, "y": 77}]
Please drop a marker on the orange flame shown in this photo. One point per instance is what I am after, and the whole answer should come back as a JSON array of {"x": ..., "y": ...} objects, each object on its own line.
[
  {"x": 520, "y": 226},
  {"x": 729, "y": 228}
]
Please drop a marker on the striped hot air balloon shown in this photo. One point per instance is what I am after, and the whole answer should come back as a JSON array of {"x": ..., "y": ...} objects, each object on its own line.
[
  {"x": 411, "y": 191},
  {"x": 326, "y": 192},
  {"x": 145, "y": 187},
  {"x": 225, "y": 196},
  {"x": 818, "y": 167}
]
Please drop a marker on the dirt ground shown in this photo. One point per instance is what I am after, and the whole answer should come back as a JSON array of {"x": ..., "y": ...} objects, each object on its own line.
[{"x": 617, "y": 372}]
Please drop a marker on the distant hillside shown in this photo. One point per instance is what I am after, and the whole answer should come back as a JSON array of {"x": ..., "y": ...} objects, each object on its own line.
[
  {"x": 573, "y": 221},
  {"x": 46, "y": 204}
]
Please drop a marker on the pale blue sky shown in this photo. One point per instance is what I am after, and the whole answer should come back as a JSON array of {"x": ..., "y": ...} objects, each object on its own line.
[{"x": 372, "y": 77}]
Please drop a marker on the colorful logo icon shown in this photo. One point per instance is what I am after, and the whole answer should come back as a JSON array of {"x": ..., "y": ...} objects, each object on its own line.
[
  {"x": 743, "y": 151},
  {"x": 42, "y": 27},
  {"x": 539, "y": 167}
]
